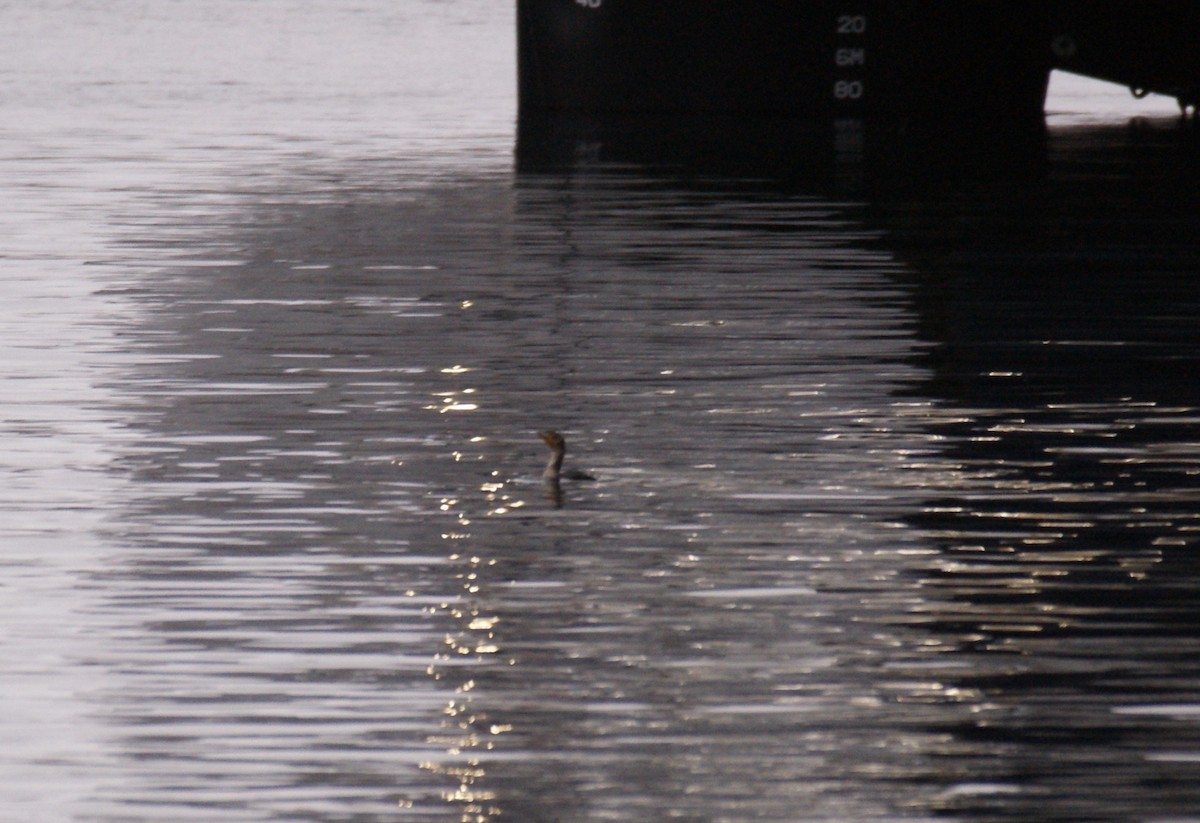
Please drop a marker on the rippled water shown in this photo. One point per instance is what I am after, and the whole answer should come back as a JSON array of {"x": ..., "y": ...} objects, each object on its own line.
[{"x": 897, "y": 458}]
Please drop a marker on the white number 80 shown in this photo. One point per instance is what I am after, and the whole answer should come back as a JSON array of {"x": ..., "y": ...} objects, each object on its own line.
[{"x": 848, "y": 89}]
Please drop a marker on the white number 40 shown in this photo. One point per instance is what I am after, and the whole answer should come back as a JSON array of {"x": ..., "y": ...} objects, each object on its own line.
[{"x": 589, "y": 4}]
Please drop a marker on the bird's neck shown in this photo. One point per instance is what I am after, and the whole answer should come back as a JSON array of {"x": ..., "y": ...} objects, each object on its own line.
[{"x": 554, "y": 467}]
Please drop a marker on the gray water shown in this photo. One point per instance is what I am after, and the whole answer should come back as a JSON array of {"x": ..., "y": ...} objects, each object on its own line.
[{"x": 897, "y": 464}]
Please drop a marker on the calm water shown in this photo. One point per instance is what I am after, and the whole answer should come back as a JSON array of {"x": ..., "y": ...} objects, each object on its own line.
[{"x": 898, "y": 450}]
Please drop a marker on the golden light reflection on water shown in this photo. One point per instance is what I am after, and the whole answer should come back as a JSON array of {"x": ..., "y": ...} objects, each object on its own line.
[
  {"x": 1038, "y": 547},
  {"x": 467, "y": 731}
]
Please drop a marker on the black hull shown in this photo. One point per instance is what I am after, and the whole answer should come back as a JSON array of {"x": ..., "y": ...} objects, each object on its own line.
[
  {"x": 821, "y": 58},
  {"x": 830, "y": 59}
]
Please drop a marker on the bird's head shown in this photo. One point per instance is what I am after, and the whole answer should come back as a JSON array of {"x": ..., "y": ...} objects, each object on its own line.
[{"x": 554, "y": 440}]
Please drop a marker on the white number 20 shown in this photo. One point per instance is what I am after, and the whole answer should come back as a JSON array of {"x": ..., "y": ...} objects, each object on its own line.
[{"x": 848, "y": 23}]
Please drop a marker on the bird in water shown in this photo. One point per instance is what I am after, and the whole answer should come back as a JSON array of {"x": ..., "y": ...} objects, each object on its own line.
[{"x": 558, "y": 449}]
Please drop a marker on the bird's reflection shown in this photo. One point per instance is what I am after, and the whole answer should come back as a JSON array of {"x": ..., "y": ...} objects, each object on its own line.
[{"x": 554, "y": 492}]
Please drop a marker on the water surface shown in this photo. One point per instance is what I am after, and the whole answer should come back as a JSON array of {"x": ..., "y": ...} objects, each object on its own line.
[{"x": 896, "y": 465}]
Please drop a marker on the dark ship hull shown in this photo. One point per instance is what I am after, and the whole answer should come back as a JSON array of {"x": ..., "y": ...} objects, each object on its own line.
[{"x": 831, "y": 59}]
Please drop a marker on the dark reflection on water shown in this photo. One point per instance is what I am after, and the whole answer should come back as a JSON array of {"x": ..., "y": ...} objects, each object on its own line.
[
  {"x": 894, "y": 518},
  {"x": 1065, "y": 318}
]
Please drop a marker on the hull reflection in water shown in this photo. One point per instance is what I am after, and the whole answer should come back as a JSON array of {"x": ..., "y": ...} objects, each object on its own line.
[{"x": 867, "y": 542}]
